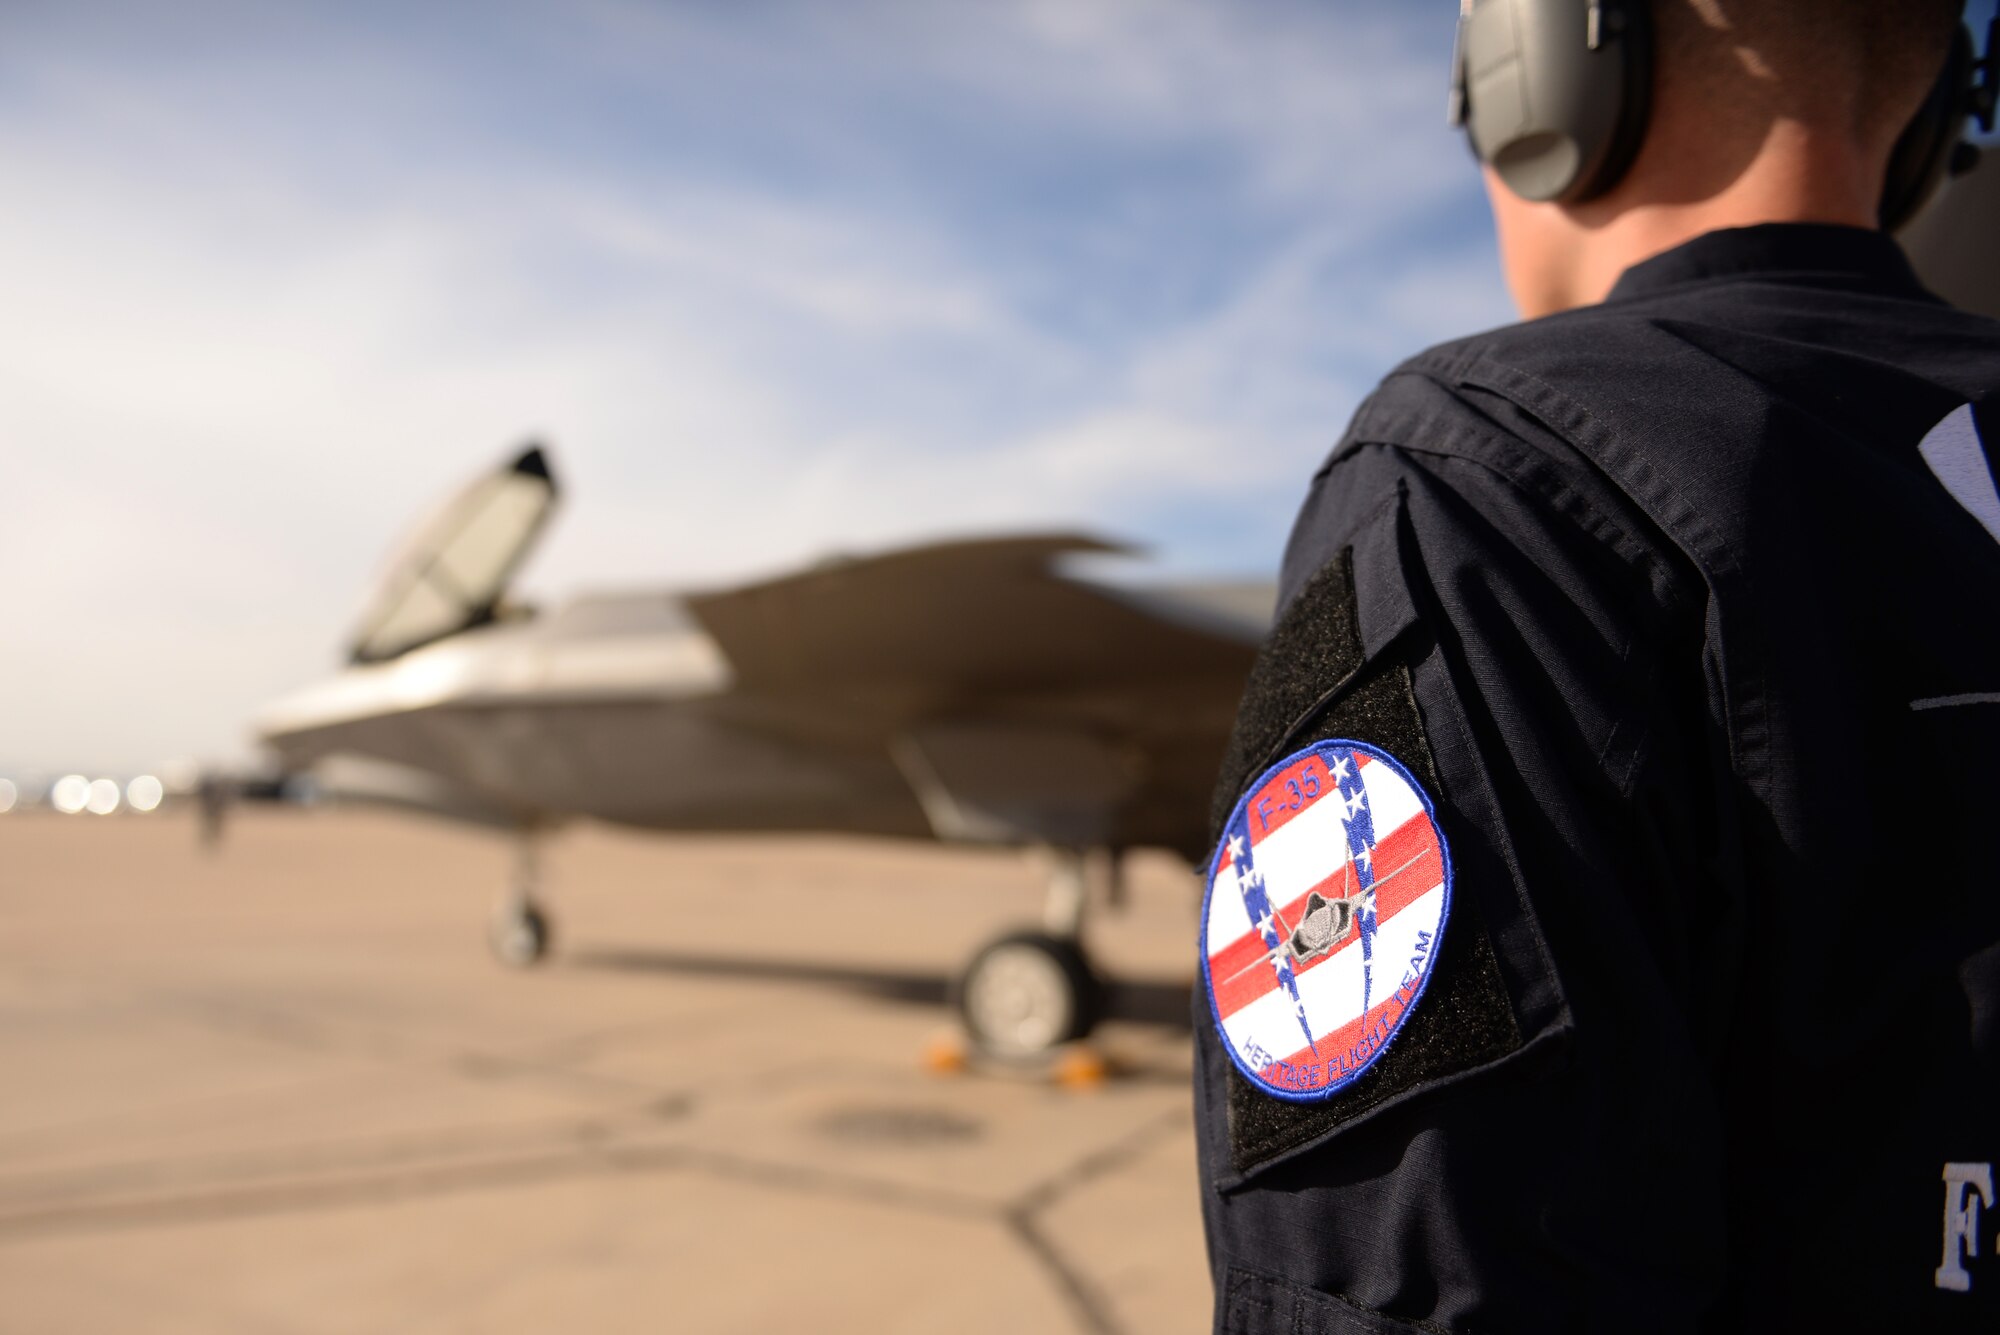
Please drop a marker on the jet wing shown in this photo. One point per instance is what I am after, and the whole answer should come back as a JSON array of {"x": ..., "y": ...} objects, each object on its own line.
[
  {"x": 959, "y": 620},
  {"x": 1020, "y": 704},
  {"x": 451, "y": 573}
]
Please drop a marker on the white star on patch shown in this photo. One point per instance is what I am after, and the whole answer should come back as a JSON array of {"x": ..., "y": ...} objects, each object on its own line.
[
  {"x": 1366, "y": 857},
  {"x": 1235, "y": 848},
  {"x": 1339, "y": 769},
  {"x": 1355, "y": 803}
]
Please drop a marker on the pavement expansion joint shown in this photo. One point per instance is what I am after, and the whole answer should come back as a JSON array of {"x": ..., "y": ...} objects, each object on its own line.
[
  {"x": 254, "y": 1094},
  {"x": 310, "y": 1034},
  {"x": 25, "y": 1196},
  {"x": 401, "y": 1182},
  {"x": 1086, "y": 1304},
  {"x": 594, "y": 1149},
  {"x": 1099, "y": 1163}
]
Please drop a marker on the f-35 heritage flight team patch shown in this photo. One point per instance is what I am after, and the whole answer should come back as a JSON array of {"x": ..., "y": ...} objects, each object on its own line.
[{"x": 1326, "y": 903}]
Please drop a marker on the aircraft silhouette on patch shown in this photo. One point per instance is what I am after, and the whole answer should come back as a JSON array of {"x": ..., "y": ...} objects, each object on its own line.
[{"x": 1325, "y": 924}]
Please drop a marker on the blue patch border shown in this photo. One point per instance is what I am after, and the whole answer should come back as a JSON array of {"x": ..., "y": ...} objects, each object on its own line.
[{"x": 1423, "y": 984}]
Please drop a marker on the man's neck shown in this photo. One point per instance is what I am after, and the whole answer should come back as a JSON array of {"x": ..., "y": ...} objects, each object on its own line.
[{"x": 1560, "y": 256}]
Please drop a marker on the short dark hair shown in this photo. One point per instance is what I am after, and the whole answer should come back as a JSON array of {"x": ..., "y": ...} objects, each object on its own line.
[{"x": 1869, "y": 60}]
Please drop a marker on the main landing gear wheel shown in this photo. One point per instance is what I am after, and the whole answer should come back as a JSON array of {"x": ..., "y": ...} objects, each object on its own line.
[
  {"x": 1027, "y": 994},
  {"x": 519, "y": 935}
]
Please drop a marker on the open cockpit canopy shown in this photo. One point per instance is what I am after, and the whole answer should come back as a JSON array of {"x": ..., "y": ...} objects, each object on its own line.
[{"x": 452, "y": 572}]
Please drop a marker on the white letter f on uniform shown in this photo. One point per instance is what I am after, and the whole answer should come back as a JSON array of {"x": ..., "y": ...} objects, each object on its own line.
[{"x": 1961, "y": 1220}]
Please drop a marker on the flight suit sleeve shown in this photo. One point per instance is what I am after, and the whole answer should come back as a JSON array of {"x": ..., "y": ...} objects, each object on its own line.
[{"x": 1532, "y": 1143}]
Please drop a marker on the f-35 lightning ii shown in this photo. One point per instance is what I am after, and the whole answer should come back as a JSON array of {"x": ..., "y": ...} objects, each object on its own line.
[{"x": 975, "y": 691}]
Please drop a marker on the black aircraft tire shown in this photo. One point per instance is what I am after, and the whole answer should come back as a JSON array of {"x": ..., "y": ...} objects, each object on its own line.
[
  {"x": 1027, "y": 994},
  {"x": 519, "y": 936}
]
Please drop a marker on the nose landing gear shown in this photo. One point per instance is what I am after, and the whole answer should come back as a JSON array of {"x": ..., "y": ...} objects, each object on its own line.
[{"x": 519, "y": 932}]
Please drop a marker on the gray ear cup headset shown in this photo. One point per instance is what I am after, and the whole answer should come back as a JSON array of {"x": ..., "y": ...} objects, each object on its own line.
[{"x": 1553, "y": 95}]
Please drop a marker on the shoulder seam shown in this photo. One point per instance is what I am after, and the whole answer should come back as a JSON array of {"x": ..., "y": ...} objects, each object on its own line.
[{"x": 1515, "y": 462}]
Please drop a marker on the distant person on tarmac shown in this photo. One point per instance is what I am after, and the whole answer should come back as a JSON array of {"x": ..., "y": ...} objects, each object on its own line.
[
  {"x": 1603, "y": 930},
  {"x": 212, "y": 797}
]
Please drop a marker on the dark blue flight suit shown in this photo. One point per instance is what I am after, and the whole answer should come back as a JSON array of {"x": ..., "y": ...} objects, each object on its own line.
[{"x": 1688, "y": 619}]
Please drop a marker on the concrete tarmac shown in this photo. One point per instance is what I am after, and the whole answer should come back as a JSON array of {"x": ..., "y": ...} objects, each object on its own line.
[{"x": 283, "y": 1088}]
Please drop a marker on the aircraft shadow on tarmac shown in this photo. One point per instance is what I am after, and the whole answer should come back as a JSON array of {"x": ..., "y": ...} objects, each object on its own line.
[{"x": 1152, "y": 1003}]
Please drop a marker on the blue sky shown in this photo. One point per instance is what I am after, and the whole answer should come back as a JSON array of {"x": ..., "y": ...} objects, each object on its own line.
[{"x": 773, "y": 278}]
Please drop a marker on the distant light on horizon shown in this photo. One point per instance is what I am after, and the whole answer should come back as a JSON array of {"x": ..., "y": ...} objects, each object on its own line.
[
  {"x": 144, "y": 793},
  {"x": 9, "y": 794},
  {"x": 103, "y": 797},
  {"x": 70, "y": 794}
]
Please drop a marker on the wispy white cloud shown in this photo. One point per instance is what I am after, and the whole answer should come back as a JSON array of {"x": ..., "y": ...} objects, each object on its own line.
[{"x": 774, "y": 280}]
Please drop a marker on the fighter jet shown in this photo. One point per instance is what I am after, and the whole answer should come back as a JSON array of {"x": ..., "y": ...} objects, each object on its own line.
[{"x": 978, "y": 691}]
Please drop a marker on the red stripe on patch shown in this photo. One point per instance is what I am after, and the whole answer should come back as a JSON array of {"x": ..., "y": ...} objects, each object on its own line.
[
  {"x": 1344, "y": 1050},
  {"x": 1412, "y": 847}
]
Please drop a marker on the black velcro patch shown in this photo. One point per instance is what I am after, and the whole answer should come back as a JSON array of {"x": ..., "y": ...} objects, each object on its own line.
[{"x": 1311, "y": 683}]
